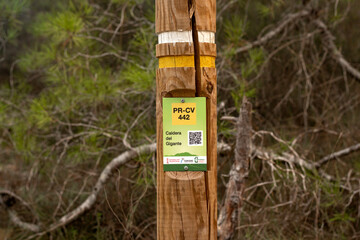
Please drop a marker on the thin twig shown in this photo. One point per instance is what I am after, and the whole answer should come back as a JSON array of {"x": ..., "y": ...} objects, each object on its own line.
[
  {"x": 338, "y": 154},
  {"x": 283, "y": 24},
  {"x": 329, "y": 39}
]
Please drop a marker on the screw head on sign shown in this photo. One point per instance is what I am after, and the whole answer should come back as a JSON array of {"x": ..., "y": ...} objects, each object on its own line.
[
  {"x": 186, "y": 168},
  {"x": 182, "y": 100}
]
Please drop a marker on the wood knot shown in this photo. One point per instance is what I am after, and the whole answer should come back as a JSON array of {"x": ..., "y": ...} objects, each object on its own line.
[{"x": 209, "y": 87}]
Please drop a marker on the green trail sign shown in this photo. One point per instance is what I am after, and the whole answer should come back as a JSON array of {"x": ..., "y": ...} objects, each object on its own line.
[{"x": 184, "y": 134}]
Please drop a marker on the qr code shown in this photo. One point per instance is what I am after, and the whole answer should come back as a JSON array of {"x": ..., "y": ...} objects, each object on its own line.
[{"x": 195, "y": 138}]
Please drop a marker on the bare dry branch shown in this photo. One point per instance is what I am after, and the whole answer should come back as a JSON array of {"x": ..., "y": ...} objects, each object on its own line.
[
  {"x": 288, "y": 19},
  {"x": 7, "y": 200},
  {"x": 24, "y": 225},
  {"x": 338, "y": 154},
  {"x": 91, "y": 199},
  {"x": 104, "y": 177},
  {"x": 239, "y": 171},
  {"x": 228, "y": 216},
  {"x": 329, "y": 39},
  {"x": 291, "y": 159}
]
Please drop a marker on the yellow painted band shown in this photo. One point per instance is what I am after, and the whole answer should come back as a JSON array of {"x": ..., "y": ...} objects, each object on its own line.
[
  {"x": 207, "y": 61},
  {"x": 185, "y": 61},
  {"x": 176, "y": 61}
]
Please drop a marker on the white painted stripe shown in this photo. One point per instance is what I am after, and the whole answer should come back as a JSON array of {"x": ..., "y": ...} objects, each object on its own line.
[
  {"x": 206, "y": 37},
  {"x": 174, "y": 37},
  {"x": 185, "y": 36}
]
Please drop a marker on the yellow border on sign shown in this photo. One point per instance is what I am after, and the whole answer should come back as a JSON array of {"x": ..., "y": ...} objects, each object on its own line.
[{"x": 185, "y": 61}]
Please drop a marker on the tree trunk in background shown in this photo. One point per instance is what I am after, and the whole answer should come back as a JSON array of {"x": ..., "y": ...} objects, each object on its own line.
[{"x": 228, "y": 219}]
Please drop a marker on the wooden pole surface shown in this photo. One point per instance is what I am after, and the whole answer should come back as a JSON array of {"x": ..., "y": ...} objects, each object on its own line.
[{"x": 187, "y": 201}]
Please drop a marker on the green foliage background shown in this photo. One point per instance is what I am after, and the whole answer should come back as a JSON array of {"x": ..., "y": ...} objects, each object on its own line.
[{"x": 77, "y": 87}]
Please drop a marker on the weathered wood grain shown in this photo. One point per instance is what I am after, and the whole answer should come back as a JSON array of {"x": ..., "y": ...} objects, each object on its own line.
[
  {"x": 205, "y": 15},
  {"x": 177, "y": 49},
  {"x": 173, "y": 82},
  {"x": 182, "y": 201},
  {"x": 207, "y": 49},
  {"x": 172, "y": 15},
  {"x": 187, "y": 201},
  {"x": 207, "y": 88},
  {"x": 176, "y": 15}
]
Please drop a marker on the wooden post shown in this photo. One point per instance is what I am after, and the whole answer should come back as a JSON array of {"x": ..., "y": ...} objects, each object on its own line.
[{"x": 187, "y": 201}]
